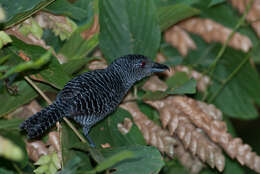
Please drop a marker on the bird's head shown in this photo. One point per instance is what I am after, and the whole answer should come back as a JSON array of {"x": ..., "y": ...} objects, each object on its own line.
[{"x": 136, "y": 67}]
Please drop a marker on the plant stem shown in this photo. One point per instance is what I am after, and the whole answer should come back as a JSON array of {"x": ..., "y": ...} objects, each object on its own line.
[
  {"x": 229, "y": 78},
  {"x": 223, "y": 48}
]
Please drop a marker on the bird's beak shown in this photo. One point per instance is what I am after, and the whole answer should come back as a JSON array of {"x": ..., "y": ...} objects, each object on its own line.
[{"x": 157, "y": 67}]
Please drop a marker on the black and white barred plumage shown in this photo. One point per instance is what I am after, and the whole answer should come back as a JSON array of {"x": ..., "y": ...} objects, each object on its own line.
[{"x": 93, "y": 95}]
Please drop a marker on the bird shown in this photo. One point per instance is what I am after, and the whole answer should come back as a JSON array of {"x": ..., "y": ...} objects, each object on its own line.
[{"x": 90, "y": 97}]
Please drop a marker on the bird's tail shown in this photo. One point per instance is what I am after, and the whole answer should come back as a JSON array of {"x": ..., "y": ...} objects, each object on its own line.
[{"x": 38, "y": 123}]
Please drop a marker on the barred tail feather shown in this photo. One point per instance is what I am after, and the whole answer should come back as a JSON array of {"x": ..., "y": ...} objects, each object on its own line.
[{"x": 38, "y": 123}]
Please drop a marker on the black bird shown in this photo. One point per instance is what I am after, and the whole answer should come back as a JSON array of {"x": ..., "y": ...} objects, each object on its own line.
[{"x": 93, "y": 95}]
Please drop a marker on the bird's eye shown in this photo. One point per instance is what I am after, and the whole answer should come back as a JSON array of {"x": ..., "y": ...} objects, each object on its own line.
[{"x": 143, "y": 64}]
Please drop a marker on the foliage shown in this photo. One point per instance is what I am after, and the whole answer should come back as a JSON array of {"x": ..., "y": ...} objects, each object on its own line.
[{"x": 52, "y": 56}]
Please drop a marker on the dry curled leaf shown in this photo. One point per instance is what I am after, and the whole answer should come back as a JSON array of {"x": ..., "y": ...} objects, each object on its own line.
[
  {"x": 212, "y": 31},
  {"x": 180, "y": 39},
  {"x": 97, "y": 64},
  {"x": 92, "y": 30},
  {"x": 36, "y": 149}
]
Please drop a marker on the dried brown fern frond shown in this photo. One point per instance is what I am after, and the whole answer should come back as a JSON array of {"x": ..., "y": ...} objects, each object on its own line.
[
  {"x": 189, "y": 161},
  {"x": 192, "y": 138},
  {"x": 253, "y": 15},
  {"x": 217, "y": 132},
  {"x": 180, "y": 39},
  {"x": 153, "y": 134},
  {"x": 212, "y": 31},
  {"x": 160, "y": 138}
]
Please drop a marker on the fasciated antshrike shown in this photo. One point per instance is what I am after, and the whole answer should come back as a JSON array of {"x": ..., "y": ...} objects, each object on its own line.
[{"x": 93, "y": 95}]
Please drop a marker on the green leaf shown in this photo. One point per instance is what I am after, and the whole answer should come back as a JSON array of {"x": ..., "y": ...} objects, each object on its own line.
[
  {"x": 25, "y": 94},
  {"x": 77, "y": 47},
  {"x": 12, "y": 124},
  {"x": 70, "y": 145},
  {"x": 146, "y": 160},
  {"x": 156, "y": 95},
  {"x": 74, "y": 65},
  {"x": 181, "y": 84},
  {"x": 4, "y": 39},
  {"x": 17, "y": 11},
  {"x": 72, "y": 166},
  {"x": 177, "y": 84},
  {"x": 128, "y": 27},
  {"x": 68, "y": 139},
  {"x": 237, "y": 97},
  {"x": 4, "y": 171},
  {"x": 64, "y": 7},
  {"x": 29, "y": 65},
  {"x": 216, "y": 2},
  {"x": 107, "y": 131},
  {"x": 114, "y": 159},
  {"x": 170, "y": 15},
  {"x": 53, "y": 73}
]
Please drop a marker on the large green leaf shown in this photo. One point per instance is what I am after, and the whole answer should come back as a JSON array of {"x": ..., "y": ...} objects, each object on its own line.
[
  {"x": 170, "y": 15},
  {"x": 64, "y": 7},
  {"x": 216, "y": 2},
  {"x": 25, "y": 94},
  {"x": 147, "y": 160},
  {"x": 17, "y": 11},
  {"x": 12, "y": 124},
  {"x": 128, "y": 27},
  {"x": 4, "y": 171},
  {"x": 180, "y": 83},
  {"x": 68, "y": 140},
  {"x": 53, "y": 73},
  {"x": 107, "y": 131},
  {"x": 237, "y": 97},
  {"x": 77, "y": 47}
]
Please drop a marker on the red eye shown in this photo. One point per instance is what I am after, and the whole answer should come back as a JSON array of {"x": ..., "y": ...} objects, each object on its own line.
[{"x": 143, "y": 64}]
